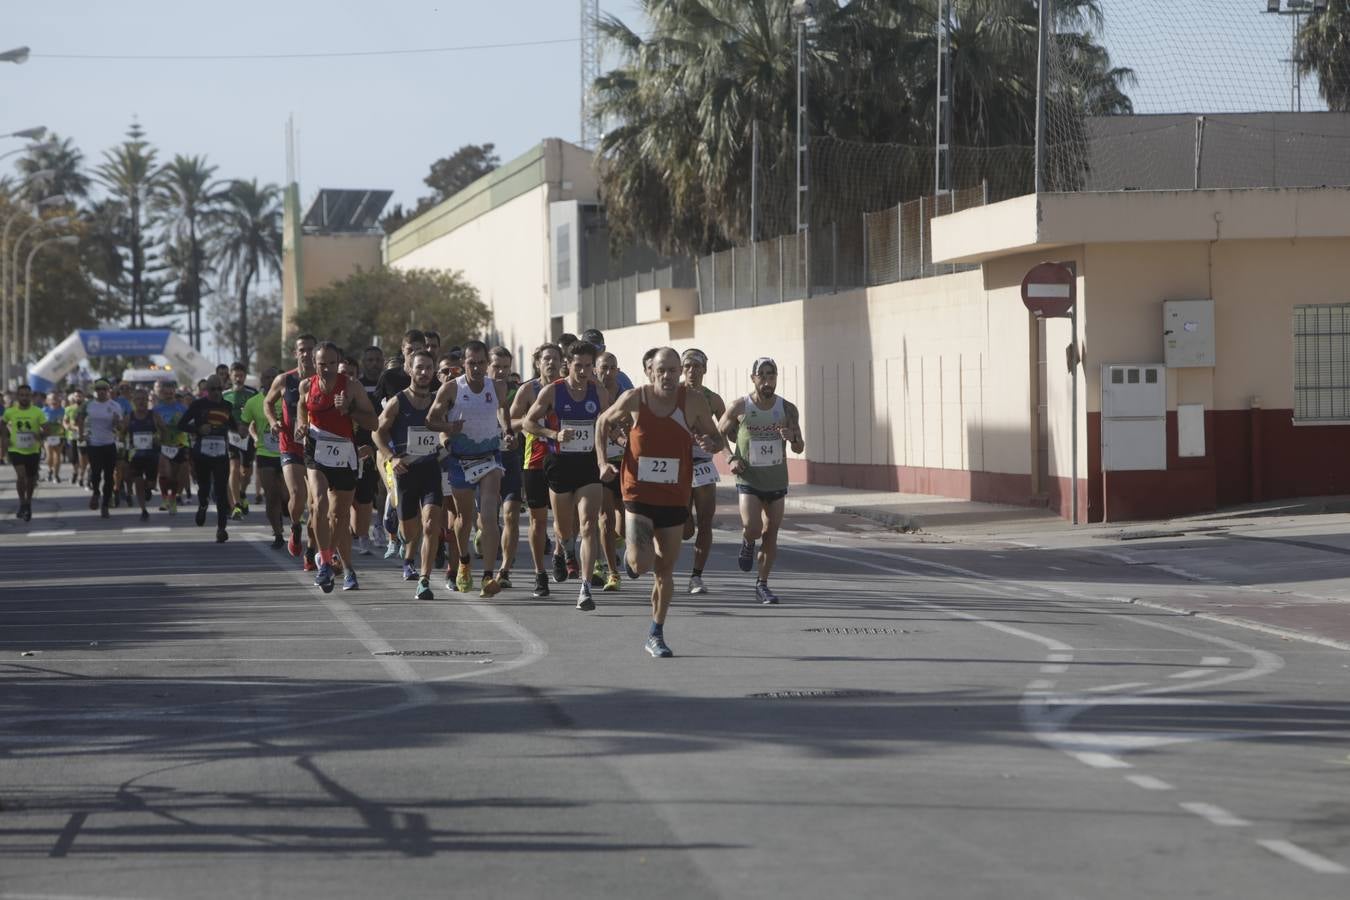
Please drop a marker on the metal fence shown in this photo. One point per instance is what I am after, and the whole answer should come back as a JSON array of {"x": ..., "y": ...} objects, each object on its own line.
[{"x": 889, "y": 245}]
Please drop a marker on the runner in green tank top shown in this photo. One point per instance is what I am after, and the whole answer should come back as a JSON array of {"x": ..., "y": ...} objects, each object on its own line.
[{"x": 761, "y": 426}]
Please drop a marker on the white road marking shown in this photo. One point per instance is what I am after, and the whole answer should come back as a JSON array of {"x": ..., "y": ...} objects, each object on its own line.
[
  {"x": 1041, "y": 684},
  {"x": 59, "y": 533},
  {"x": 1099, "y": 760},
  {"x": 1306, "y": 858},
  {"x": 1123, "y": 686},
  {"x": 1057, "y": 568},
  {"x": 1191, "y": 673},
  {"x": 1215, "y": 815},
  {"x": 998, "y": 556},
  {"x": 1215, "y": 661},
  {"x": 1054, "y": 670},
  {"x": 1061, "y": 657},
  {"x": 84, "y": 642},
  {"x": 148, "y": 529},
  {"x": 1148, "y": 782}
]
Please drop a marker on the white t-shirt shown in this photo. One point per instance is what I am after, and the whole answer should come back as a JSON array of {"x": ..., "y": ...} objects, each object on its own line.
[{"x": 98, "y": 421}]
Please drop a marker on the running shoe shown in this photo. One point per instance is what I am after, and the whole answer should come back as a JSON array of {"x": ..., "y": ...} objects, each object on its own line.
[
  {"x": 656, "y": 646},
  {"x": 293, "y": 545},
  {"x": 489, "y": 587},
  {"x": 584, "y": 599},
  {"x": 237, "y": 514},
  {"x": 103, "y": 511},
  {"x": 559, "y": 568},
  {"x": 163, "y": 506},
  {"x": 764, "y": 595},
  {"x": 310, "y": 565},
  {"x": 173, "y": 507},
  {"x": 573, "y": 567},
  {"x": 478, "y": 544},
  {"x": 540, "y": 585},
  {"x": 337, "y": 563},
  {"x": 362, "y": 546},
  {"x": 325, "y": 578},
  {"x": 632, "y": 573},
  {"x": 504, "y": 579},
  {"x": 145, "y": 514},
  {"x": 278, "y": 542},
  {"x": 243, "y": 504},
  {"x": 424, "y": 590},
  {"x": 696, "y": 585},
  {"x": 93, "y": 501},
  {"x": 464, "y": 579},
  {"x": 612, "y": 583},
  {"x": 746, "y": 559},
  {"x": 349, "y": 581},
  {"x": 598, "y": 574},
  {"x": 391, "y": 549},
  {"x": 409, "y": 573},
  {"x": 222, "y": 535},
  {"x": 200, "y": 517}
]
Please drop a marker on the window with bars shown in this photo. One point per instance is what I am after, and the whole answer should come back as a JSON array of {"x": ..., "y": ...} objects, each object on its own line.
[{"x": 1322, "y": 362}]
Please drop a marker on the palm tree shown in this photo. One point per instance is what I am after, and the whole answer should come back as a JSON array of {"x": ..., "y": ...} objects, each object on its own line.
[
  {"x": 675, "y": 168},
  {"x": 132, "y": 177},
  {"x": 1324, "y": 50},
  {"x": 60, "y": 156},
  {"x": 249, "y": 242},
  {"x": 190, "y": 202}
]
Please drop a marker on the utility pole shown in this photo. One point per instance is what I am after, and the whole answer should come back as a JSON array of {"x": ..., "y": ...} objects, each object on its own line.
[
  {"x": 803, "y": 11},
  {"x": 942, "y": 177},
  {"x": 1042, "y": 60}
]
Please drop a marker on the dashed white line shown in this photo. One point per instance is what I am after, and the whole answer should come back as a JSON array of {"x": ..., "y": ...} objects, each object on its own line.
[
  {"x": 1215, "y": 661},
  {"x": 1040, "y": 685},
  {"x": 60, "y": 533},
  {"x": 1054, "y": 670},
  {"x": 1215, "y": 815},
  {"x": 1057, "y": 568},
  {"x": 148, "y": 529},
  {"x": 1099, "y": 760},
  {"x": 1148, "y": 782},
  {"x": 1191, "y": 673},
  {"x": 1060, "y": 657},
  {"x": 1123, "y": 686},
  {"x": 1306, "y": 858}
]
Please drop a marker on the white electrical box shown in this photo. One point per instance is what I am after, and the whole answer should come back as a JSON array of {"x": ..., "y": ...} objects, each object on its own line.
[
  {"x": 1134, "y": 417},
  {"x": 1188, "y": 333}
]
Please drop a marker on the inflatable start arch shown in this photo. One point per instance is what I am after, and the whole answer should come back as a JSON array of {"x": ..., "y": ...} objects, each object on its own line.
[{"x": 83, "y": 344}]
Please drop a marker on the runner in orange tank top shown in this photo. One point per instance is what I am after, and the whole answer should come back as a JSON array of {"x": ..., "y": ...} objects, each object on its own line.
[{"x": 657, "y": 474}]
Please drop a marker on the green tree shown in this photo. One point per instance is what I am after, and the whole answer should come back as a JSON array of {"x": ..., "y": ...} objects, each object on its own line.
[
  {"x": 448, "y": 176},
  {"x": 132, "y": 178},
  {"x": 61, "y": 157},
  {"x": 249, "y": 245},
  {"x": 383, "y": 302},
  {"x": 189, "y": 201},
  {"x": 675, "y": 169},
  {"x": 1324, "y": 51}
]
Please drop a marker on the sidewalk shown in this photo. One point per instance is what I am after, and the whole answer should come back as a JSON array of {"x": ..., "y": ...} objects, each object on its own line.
[{"x": 1282, "y": 567}]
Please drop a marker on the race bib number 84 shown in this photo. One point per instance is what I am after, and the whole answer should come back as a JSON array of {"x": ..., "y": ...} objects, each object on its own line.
[{"x": 767, "y": 452}]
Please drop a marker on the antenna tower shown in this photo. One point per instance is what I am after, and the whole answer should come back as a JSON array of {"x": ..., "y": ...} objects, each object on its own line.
[{"x": 590, "y": 70}]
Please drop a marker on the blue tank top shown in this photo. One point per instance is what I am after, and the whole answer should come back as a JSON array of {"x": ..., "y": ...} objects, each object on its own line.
[
  {"x": 409, "y": 416},
  {"x": 143, "y": 426},
  {"x": 587, "y": 409}
]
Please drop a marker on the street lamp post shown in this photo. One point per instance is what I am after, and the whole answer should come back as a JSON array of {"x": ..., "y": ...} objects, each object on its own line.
[
  {"x": 803, "y": 12},
  {"x": 63, "y": 240},
  {"x": 40, "y": 175},
  {"x": 12, "y": 289}
]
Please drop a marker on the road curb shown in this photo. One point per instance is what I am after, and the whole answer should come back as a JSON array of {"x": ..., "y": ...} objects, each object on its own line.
[{"x": 890, "y": 520}]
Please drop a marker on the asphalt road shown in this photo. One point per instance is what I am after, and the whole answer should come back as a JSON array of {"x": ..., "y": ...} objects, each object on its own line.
[{"x": 182, "y": 719}]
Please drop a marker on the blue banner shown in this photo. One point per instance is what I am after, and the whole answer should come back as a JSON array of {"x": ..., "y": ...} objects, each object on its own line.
[{"x": 146, "y": 342}]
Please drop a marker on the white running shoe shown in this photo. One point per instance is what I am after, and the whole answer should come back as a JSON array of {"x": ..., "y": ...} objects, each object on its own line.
[{"x": 696, "y": 585}]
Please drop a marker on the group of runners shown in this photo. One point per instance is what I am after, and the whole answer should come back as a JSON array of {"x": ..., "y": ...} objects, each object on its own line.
[{"x": 439, "y": 454}]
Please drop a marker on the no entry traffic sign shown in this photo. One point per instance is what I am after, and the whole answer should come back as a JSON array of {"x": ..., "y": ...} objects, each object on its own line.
[{"x": 1049, "y": 290}]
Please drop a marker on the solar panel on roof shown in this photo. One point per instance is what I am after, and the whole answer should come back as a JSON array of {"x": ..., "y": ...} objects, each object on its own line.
[{"x": 341, "y": 210}]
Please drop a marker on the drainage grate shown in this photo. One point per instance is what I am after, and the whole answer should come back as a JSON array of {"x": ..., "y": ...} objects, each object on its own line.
[
  {"x": 432, "y": 653},
  {"x": 859, "y": 630},
  {"x": 816, "y": 694}
]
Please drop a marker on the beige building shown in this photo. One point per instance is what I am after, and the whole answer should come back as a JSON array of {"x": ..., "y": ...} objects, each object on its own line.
[
  {"x": 1213, "y": 329},
  {"x": 517, "y": 234}
]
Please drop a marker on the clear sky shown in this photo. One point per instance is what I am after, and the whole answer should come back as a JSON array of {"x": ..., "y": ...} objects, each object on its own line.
[{"x": 364, "y": 122}]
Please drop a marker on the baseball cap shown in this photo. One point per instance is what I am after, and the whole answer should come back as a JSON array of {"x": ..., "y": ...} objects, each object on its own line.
[
  {"x": 760, "y": 363},
  {"x": 101, "y": 384},
  {"x": 696, "y": 355},
  {"x": 594, "y": 336}
]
